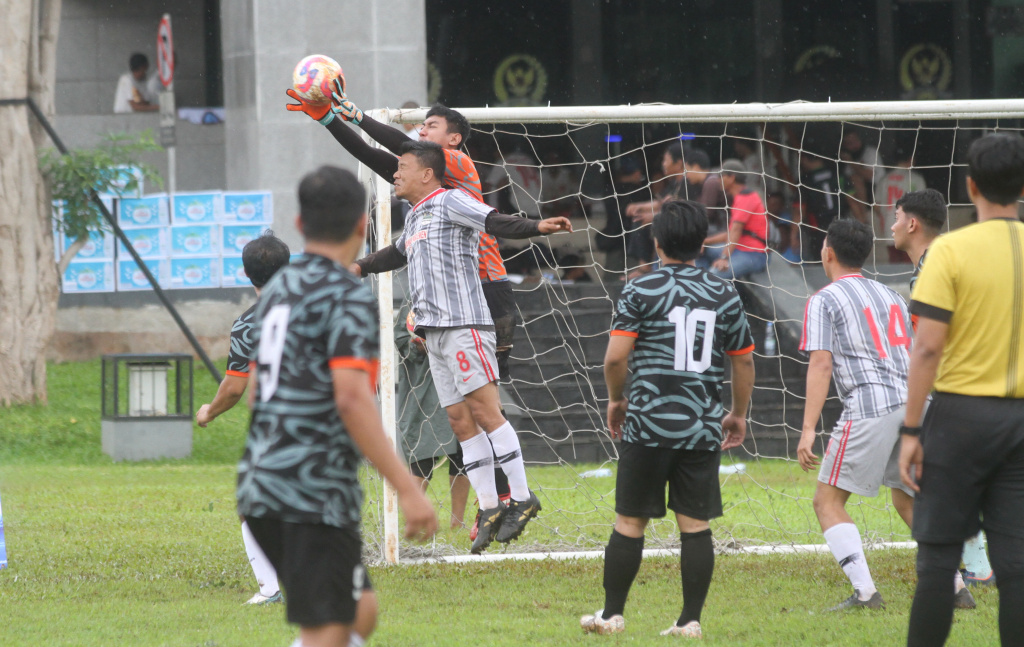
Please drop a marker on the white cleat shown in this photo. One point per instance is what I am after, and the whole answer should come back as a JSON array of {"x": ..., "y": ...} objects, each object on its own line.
[
  {"x": 598, "y": 625},
  {"x": 689, "y": 630},
  {"x": 260, "y": 599}
]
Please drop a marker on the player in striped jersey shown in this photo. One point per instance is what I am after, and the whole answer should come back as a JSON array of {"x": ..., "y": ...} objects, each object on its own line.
[
  {"x": 440, "y": 244},
  {"x": 856, "y": 331},
  {"x": 448, "y": 129},
  {"x": 261, "y": 258},
  {"x": 675, "y": 327}
]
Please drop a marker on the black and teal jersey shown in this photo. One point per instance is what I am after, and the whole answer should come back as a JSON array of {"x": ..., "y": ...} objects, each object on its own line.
[
  {"x": 240, "y": 352},
  {"x": 685, "y": 321},
  {"x": 300, "y": 464}
]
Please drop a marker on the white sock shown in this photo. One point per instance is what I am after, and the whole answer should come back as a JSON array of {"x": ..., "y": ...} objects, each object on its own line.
[
  {"x": 355, "y": 640},
  {"x": 478, "y": 458},
  {"x": 975, "y": 557},
  {"x": 510, "y": 459},
  {"x": 844, "y": 541},
  {"x": 297, "y": 643},
  {"x": 265, "y": 574},
  {"x": 958, "y": 582}
]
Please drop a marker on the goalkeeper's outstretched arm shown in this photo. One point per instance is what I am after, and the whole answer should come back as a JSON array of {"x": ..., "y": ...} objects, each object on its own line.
[{"x": 379, "y": 161}]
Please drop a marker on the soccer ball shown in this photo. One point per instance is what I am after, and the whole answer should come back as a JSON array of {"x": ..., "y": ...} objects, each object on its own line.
[{"x": 312, "y": 78}]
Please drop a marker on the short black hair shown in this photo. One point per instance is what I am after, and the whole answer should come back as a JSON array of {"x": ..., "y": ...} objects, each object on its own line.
[
  {"x": 263, "y": 256},
  {"x": 331, "y": 201},
  {"x": 696, "y": 157},
  {"x": 137, "y": 61},
  {"x": 996, "y": 164},
  {"x": 456, "y": 122},
  {"x": 674, "y": 150},
  {"x": 927, "y": 205},
  {"x": 429, "y": 154},
  {"x": 851, "y": 240},
  {"x": 680, "y": 229}
]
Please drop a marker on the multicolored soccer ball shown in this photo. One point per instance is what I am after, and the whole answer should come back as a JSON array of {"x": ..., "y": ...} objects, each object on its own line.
[{"x": 312, "y": 78}]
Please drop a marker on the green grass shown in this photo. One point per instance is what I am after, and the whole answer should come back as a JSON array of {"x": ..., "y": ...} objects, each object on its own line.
[{"x": 150, "y": 554}]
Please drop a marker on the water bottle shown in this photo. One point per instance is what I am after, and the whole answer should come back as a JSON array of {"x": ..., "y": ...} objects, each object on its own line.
[{"x": 770, "y": 346}]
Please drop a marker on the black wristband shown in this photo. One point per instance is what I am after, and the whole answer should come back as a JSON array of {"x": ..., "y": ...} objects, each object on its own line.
[{"x": 909, "y": 431}]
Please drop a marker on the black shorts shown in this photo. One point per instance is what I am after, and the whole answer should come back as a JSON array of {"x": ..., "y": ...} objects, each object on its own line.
[
  {"x": 973, "y": 469},
  {"x": 691, "y": 475},
  {"x": 502, "y": 305},
  {"x": 424, "y": 469},
  {"x": 320, "y": 568}
]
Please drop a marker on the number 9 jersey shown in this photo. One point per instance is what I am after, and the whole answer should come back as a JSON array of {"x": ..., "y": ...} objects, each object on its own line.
[{"x": 685, "y": 321}]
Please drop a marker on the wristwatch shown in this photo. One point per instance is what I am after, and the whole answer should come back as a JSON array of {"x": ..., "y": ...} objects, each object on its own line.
[{"x": 909, "y": 431}]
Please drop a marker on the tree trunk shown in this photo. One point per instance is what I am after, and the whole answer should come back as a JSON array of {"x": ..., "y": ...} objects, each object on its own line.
[{"x": 28, "y": 273}]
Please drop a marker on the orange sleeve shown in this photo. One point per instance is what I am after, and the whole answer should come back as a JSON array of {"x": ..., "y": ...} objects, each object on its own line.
[
  {"x": 743, "y": 351},
  {"x": 624, "y": 333},
  {"x": 238, "y": 373}
]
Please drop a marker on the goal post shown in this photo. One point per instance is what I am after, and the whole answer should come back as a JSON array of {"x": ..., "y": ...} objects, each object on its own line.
[{"x": 769, "y": 515}]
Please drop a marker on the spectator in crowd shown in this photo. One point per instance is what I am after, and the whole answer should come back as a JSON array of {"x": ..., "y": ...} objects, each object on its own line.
[
  {"x": 136, "y": 91},
  {"x": 888, "y": 191},
  {"x": 746, "y": 249},
  {"x": 712, "y": 195},
  {"x": 819, "y": 203},
  {"x": 560, "y": 187},
  {"x": 748, "y": 151},
  {"x": 780, "y": 227},
  {"x": 520, "y": 175},
  {"x": 573, "y": 270},
  {"x": 624, "y": 185},
  {"x": 862, "y": 169}
]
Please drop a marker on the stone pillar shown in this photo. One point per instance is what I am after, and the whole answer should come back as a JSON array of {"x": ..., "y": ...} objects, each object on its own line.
[{"x": 381, "y": 47}]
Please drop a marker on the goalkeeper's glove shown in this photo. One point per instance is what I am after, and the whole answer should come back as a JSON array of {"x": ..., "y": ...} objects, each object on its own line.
[
  {"x": 323, "y": 113},
  {"x": 341, "y": 105}
]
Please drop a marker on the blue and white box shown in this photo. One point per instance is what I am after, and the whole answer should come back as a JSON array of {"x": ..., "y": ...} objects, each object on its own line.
[
  {"x": 130, "y": 277},
  {"x": 122, "y": 175},
  {"x": 248, "y": 206},
  {"x": 99, "y": 246},
  {"x": 197, "y": 208},
  {"x": 149, "y": 242},
  {"x": 3, "y": 543},
  {"x": 147, "y": 211},
  {"x": 232, "y": 274},
  {"x": 89, "y": 276},
  {"x": 235, "y": 237},
  {"x": 193, "y": 273},
  {"x": 194, "y": 240}
]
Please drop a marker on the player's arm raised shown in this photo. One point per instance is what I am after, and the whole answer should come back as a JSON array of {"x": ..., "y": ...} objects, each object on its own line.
[
  {"x": 819, "y": 375},
  {"x": 388, "y": 137},
  {"x": 506, "y": 226},
  {"x": 354, "y": 398}
]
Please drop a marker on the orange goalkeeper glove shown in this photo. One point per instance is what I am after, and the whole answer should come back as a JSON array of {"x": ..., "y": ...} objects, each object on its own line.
[
  {"x": 341, "y": 105},
  {"x": 323, "y": 113}
]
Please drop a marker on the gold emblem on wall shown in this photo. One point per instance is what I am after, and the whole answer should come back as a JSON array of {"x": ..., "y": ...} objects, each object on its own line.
[
  {"x": 926, "y": 72},
  {"x": 520, "y": 80},
  {"x": 816, "y": 57}
]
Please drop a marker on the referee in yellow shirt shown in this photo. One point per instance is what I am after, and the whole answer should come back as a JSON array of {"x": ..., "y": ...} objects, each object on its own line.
[{"x": 967, "y": 460}]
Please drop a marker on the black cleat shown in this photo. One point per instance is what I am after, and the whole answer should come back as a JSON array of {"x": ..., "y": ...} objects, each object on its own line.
[
  {"x": 488, "y": 523},
  {"x": 854, "y": 602},
  {"x": 964, "y": 600},
  {"x": 518, "y": 515}
]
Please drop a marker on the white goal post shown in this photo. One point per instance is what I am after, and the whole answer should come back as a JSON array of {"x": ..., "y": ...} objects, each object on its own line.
[{"x": 756, "y": 113}]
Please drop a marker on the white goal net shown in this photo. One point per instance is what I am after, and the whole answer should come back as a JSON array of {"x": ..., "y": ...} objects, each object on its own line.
[{"x": 810, "y": 163}]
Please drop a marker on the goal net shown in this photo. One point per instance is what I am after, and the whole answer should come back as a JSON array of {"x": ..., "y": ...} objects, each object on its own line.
[{"x": 809, "y": 162}]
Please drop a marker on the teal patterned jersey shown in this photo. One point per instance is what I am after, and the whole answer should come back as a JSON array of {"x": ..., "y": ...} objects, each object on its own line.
[
  {"x": 300, "y": 464},
  {"x": 685, "y": 321}
]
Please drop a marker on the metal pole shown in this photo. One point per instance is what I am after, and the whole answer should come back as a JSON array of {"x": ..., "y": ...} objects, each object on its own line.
[
  {"x": 385, "y": 296},
  {"x": 160, "y": 294}
]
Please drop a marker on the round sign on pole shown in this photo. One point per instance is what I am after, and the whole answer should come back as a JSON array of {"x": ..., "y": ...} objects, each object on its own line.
[{"x": 165, "y": 51}]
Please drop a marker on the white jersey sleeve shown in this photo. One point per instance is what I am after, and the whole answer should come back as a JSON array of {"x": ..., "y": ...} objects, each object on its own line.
[{"x": 462, "y": 209}]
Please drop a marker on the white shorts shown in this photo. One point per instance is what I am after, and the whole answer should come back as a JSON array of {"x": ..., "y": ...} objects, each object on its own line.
[
  {"x": 461, "y": 361},
  {"x": 864, "y": 454}
]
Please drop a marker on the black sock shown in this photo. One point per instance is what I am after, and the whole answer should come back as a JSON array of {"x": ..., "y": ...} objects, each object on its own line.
[
  {"x": 622, "y": 557},
  {"x": 932, "y": 611},
  {"x": 696, "y": 565}
]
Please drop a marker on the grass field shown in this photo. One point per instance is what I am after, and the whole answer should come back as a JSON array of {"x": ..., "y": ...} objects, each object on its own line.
[{"x": 150, "y": 554}]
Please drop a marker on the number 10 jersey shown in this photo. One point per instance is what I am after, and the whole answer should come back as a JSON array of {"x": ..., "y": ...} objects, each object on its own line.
[{"x": 685, "y": 321}]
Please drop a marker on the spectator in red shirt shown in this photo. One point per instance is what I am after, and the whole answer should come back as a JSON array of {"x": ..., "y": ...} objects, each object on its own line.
[{"x": 746, "y": 252}]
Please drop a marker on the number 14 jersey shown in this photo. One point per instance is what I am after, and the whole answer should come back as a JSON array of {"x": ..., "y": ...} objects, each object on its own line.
[
  {"x": 866, "y": 327},
  {"x": 685, "y": 321}
]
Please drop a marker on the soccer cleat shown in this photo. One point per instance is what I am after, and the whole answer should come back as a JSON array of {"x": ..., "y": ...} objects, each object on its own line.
[
  {"x": 259, "y": 599},
  {"x": 488, "y": 524},
  {"x": 475, "y": 528},
  {"x": 964, "y": 599},
  {"x": 595, "y": 624},
  {"x": 690, "y": 630},
  {"x": 854, "y": 602},
  {"x": 518, "y": 515},
  {"x": 970, "y": 579}
]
